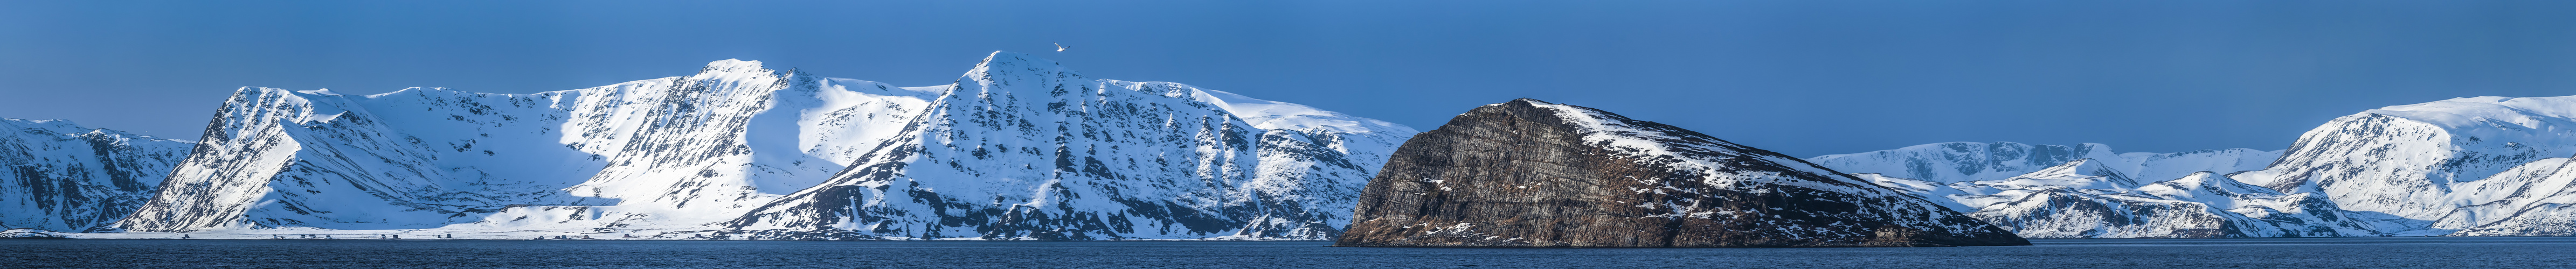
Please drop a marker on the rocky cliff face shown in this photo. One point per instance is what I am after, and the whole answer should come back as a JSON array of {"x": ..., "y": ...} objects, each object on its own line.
[
  {"x": 1529, "y": 173},
  {"x": 55, "y": 175}
]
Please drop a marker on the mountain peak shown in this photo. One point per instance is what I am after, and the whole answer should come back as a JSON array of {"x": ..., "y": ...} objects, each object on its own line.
[
  {"x": 2475, "y": 111},
  {"x": 1003, "y": 70},
  {"x": 1005, "y": 62},
  {"x": 321, "y": 92},
  {"x": 733, "y": 65},
  {"x": 1008, "y": 56}
]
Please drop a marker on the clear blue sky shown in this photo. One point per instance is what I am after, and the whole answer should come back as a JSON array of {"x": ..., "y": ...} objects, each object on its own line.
[{"x": 1800, "y": 77}]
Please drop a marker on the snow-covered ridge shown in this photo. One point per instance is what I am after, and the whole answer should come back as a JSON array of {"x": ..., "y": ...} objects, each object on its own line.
[
  {"x": 1275, "y": 115},
  {"x": 2482, "y": 111},
  {"x": 674, "y": 157},
  {"x": 1704, "y": 152},
  {"x": 1972, "y": 161}
]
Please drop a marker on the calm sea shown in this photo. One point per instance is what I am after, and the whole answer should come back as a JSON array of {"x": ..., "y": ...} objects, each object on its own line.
[{"x": 2506, "y": 252}]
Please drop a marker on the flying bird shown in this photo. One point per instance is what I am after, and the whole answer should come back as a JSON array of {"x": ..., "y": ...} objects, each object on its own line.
[{"x": 1059, "y": 46}]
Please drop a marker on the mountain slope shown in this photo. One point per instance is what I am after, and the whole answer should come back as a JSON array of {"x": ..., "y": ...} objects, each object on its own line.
[
  {"x": 2528, "y": 200},
  {"x": 55, "y": 175}
]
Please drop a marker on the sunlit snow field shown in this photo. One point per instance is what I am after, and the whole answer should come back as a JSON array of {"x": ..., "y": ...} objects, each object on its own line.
[{"x": 2490, "y": 252}]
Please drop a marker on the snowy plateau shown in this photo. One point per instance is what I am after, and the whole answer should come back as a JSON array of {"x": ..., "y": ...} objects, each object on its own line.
[
  {"x": 2482, "y": 166},
  {"x": 1019, "y": 148}
]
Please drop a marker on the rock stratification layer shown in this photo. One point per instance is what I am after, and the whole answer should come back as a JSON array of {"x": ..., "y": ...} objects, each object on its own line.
[{"x": 1528, "y": 173}]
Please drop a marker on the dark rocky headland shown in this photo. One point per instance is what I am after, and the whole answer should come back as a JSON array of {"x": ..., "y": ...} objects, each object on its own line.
[{"x": 1528, "y": 173}]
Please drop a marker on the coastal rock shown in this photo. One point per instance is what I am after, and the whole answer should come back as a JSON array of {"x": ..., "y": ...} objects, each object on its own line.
[{"x": 1529, "y": 173}]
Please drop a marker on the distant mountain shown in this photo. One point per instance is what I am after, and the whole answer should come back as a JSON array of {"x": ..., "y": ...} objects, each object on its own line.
[
  {"x": 2484, "y": 166},
  {"x": 59, "y": 176},
  {"x": 1528, "y": 173},
  {"x": 723, "y": 152},
  {"x": 2080, "y": 200},
  {"x": 2091, "y": 192},
  {"x": 1971, "y": 161},
  {"x": 2471, "y": 166}
]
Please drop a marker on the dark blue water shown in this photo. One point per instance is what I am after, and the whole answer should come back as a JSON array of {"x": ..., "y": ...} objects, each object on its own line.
[{"x": 2521, "y": 252}]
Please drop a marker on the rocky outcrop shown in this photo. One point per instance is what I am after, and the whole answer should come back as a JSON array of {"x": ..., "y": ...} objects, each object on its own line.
[{"x": 1529, "y": 173}]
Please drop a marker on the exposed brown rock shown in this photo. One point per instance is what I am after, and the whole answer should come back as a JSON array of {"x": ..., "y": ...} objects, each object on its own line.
[{"x": 1534, "y": 174}]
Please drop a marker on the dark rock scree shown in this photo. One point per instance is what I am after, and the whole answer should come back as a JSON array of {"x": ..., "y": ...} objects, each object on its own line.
[{"x": 1534, "y": 174}]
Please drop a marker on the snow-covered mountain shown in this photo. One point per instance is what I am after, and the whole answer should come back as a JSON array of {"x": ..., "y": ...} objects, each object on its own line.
[
  {"x": 1022, "y": 148},
  {"x": 675, "y": 156},
  {"x": 59, "y": 176},
  {"x": 2472, "y": 166},
  {"x": 648, "y": 153},
  {"x": 2481, "y": 166}
]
